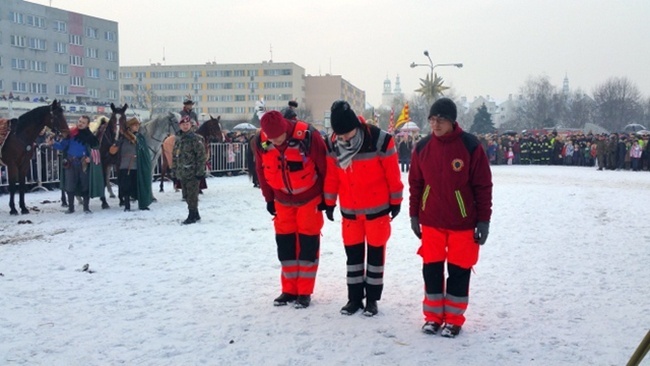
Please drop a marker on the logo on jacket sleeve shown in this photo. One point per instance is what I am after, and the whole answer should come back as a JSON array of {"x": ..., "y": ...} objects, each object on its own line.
[{"x": 457, "y": 165}]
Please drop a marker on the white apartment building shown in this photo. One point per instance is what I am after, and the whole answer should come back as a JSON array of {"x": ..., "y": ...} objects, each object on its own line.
[{"x": 226, "y": 90}]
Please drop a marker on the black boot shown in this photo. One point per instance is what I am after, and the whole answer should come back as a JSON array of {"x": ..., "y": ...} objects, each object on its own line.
[
  {"x": 352, "y": 307},
  {"x": 196, "y": 215},
  {"x": 86, "y": 198},
  {"x": 127, "y": 205},
  {"x": 371, "y": 308},
  {"x": 70, "y": 203},
  {"x": 191, "y": 218}
]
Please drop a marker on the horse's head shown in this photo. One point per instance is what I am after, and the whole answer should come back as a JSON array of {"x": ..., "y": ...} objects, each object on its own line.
[
  {"x": 56, "y": 119},
  {"x": 115, "y": 112},
  {"x": 211, "y": 130}
]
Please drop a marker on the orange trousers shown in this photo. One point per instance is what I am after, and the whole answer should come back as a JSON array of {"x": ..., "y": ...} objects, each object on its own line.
[
  {"x": 365, "y": 275},
  {"x": 447, "y": 304},
  {"x": 297, "y": 235}
]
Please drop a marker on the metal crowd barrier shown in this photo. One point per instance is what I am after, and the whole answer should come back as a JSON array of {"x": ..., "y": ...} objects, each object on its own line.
[{"x": 44, "y": 169}]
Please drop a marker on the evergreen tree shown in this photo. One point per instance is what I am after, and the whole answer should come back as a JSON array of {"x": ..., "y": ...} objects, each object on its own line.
[{"x": 482, "y": 121}]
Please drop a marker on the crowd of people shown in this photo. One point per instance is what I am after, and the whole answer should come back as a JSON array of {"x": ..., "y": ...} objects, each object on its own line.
[{"x": 615, "y": 151}]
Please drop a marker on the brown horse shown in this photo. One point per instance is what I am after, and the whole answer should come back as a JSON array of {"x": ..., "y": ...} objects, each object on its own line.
[
  {"x": 210, "y": 130},
  {"x": 18, "y": 149},
  {"x": 107, "y": 136}
]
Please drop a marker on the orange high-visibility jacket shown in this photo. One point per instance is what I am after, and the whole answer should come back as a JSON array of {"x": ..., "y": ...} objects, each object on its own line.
[{"x": 371, "y": 183}]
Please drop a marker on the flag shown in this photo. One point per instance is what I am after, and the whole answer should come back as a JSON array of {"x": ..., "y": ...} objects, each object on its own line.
[
  {"x": 403, "y": 117},
  {"x": 391, "y": 121}
]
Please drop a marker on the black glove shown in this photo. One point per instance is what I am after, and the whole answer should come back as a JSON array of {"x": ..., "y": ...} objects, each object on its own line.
[
  {"x": 481, "y": 232},
  {"x": 415, "y": 226},
  {"x": 270, "y": 207},
  {"x": 329, "y": 212},
  {"x": 322, "y": 206},
  {"x": 394, "y": 211}
]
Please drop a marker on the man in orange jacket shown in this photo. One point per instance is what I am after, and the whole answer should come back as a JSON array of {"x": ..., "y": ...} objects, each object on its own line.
[
  {"x": 363, "y": 171},
  {"x": 290, "y": 164}
]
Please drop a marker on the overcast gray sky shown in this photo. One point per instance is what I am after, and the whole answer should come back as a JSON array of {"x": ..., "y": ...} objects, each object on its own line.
[{"x": 500, "y": 42}]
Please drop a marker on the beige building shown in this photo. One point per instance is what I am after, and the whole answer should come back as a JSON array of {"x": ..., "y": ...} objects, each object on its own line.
[
  {"x": 322, "y": 91},
  {"x": 226, "y": 90}
]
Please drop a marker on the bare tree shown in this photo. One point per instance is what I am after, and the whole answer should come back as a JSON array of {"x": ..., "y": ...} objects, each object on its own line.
[
  {"x": 146, "y": 98},
  {"x": 618, "y": 103},
  {"x": 541, "y": 105},
  {"x": 580, "y": 110}
]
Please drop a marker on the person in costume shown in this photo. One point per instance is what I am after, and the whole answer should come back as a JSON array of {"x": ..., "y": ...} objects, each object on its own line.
[
  {"x": 134, "y": 176},
  {"x": 81, "y": 164}
]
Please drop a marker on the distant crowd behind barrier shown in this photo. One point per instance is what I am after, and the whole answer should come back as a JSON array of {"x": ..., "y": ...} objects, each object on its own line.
[
  {"x": 616, "y": 151},
  {"x": 225, "y": 159}
]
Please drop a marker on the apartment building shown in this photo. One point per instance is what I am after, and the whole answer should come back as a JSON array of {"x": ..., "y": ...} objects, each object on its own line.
[
  {"x": 228, "y": 90},
  {"x": 53, "y": 53},
  {"x": 322, "y": 91}
]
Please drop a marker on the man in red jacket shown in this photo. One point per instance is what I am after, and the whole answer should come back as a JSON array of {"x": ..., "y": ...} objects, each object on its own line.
[
  {"x": 450, "y": 206},
  {"x": 290, "y": 164},
  {"x": 363, "y": 171}
]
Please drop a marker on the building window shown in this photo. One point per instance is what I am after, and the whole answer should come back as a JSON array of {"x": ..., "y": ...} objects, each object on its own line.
[
  {"x": 240, "y": 98},
  {"x": 60, "y": 26},
  {"x": 91, "y": 52},
  {"x": 37, "y": 66},
  {"x": 37, "y": 44},
  {"x": 18, "y": 64},
  {"x": 110, "y": 36},
  {"x": 277, "y": 72},
  {"x": 60, "y": 47},
  {"x": 112, "y": 94},
  {"x": 111, "y": 74},
  {"x": 18, "y": 41},
  {"x": 141, "y": 75},
  {"x": 252, "y": 73},
  {"x": 17, "y": 18},
  {"x": 61, "y": 90},
  {"x": 19, "y": 87},
  {"x": 38, "y": 88},
  {"x": 111, "y": 55},
  {"x": 76, "y": 40},
  {"x": 126, "y": 75},
  {"x": 76, "y": 61},
  {"x": 92, "y": 33},
  {"x": 239, "y": 73},
  {"x": 2, "y": 85},
  {"x": 197, "y": 86},
  {"x": 61, "y": 69},
  {"x": 35, "y": 21},
  {"x": 93, "y": 93},
  {"x": 92, "y": 73},
  {"x": 196, "y": 74},
  {"x": 76, "y": 81}
]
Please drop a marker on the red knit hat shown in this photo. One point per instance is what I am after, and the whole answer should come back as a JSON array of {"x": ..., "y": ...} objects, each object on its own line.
[{"x": 274, "y": 124}]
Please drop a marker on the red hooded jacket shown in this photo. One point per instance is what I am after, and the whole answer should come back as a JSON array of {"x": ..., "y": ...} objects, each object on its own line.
[{"x": 450, "y": 181}]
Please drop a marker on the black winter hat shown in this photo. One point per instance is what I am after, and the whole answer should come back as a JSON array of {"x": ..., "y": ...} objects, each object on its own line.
[
  {"x": 445, "y": 108},
  {"x": 343, "y": 118},
  {"x": 289, "y": 113}
]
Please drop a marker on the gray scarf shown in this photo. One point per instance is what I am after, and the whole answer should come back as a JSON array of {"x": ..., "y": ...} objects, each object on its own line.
[{"x": 346, "y": 150}]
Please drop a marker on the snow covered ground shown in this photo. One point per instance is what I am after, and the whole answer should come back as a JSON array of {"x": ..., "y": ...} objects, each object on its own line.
[{"x": 562, "y": 280}]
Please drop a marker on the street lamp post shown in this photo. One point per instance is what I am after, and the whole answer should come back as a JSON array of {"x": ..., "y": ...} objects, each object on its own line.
[{"x": 433, "y": 66}]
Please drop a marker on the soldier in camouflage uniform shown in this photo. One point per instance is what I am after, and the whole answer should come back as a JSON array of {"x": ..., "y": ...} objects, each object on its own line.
[{"x": 189, "y": 166}]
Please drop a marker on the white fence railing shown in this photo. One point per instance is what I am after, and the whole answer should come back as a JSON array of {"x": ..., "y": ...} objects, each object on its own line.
[{"x": 44, "y": 170}]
